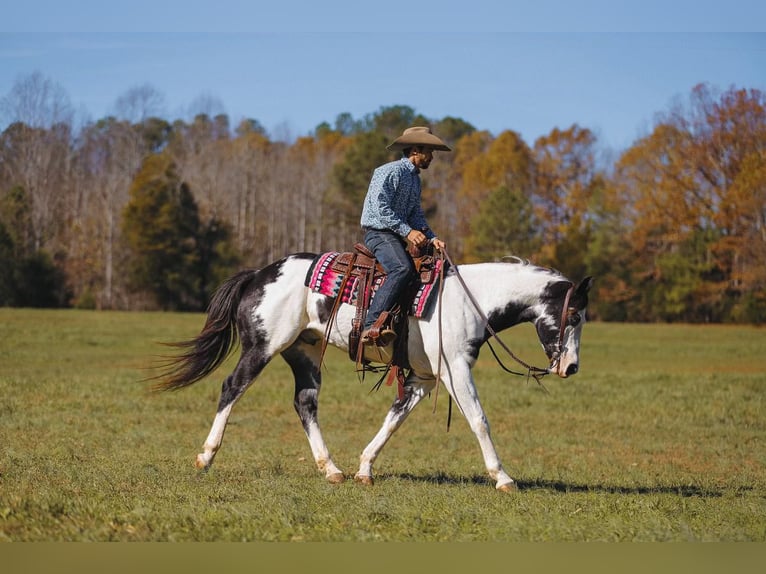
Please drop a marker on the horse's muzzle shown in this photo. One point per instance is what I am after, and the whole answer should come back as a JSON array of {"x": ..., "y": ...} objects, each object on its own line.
[{"x": 571, "y": 369}]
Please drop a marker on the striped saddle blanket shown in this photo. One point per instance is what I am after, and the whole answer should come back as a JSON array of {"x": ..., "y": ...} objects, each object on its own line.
[{"x": 325, "y": 278}]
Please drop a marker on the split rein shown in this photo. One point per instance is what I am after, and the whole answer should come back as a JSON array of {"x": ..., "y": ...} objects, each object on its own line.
[{"x": 536, "y": 373}]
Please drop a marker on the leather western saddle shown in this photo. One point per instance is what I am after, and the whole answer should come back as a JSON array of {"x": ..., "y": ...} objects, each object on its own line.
[{"x": 361, "y": 265}]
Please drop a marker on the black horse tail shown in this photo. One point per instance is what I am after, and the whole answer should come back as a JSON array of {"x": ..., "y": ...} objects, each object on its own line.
[{"x": 204, "y": 353}]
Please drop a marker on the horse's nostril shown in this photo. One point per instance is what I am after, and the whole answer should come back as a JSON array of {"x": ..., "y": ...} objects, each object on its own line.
[{"x": 572, "y": 369}]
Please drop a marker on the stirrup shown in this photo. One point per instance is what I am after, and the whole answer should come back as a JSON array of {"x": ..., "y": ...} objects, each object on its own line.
[
  {"x": 383, "y": 339},
  {"x": 377, "y": 354},
  {"x": 378, "y": 349}
]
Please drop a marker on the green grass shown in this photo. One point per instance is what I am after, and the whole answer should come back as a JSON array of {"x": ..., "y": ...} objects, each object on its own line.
[{"x": 660, "y": 437}]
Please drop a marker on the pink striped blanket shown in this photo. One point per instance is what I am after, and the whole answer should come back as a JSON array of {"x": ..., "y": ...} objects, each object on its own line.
[{"x": 322, "y": 278}]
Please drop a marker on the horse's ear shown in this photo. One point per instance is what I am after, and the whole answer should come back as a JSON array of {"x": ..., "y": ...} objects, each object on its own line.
[
  {"x": 580, "y": 295},
  {"x": 585, "y": 285}
]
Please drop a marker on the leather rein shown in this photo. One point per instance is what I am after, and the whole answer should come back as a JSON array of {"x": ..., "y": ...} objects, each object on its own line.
[{"x": 536, "y": 373}]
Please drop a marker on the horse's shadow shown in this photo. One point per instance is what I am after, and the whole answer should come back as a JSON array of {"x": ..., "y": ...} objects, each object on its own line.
[{"x": 562, "y": 486}]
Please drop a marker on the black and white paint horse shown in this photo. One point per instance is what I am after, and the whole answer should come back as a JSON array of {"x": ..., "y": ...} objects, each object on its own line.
[{"x": 272, "y": 312}]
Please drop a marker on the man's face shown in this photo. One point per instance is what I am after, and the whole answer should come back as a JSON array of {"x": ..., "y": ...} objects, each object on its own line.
[{"x": 422, "y": 157}]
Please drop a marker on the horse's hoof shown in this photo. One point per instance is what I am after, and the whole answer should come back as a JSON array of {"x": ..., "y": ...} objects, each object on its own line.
[
  {"x": 364, "y": 479},
  {"x": 200, "y": 462},
  {"x": 336, "y": 478},
  {"x": 508, "y": 487}
]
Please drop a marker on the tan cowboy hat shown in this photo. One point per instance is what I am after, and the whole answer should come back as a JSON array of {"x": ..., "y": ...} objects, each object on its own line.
[{"x": 420, "y": 135}]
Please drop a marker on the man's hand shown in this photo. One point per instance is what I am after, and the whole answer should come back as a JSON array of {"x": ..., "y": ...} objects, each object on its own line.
[{"x": 417, "y": 238}]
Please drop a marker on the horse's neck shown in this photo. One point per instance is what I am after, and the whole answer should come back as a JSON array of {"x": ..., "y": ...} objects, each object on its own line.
[{"x": 498, "y": 286}]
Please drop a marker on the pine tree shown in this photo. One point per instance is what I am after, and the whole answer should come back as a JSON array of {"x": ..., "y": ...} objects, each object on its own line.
[{"x": 174, "y": 256}]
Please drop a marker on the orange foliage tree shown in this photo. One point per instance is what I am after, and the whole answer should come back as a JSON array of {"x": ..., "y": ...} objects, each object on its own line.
[{"x": 687, "y": 197}]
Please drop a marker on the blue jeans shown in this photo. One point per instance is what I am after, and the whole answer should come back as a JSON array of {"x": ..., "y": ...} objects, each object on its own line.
[{"x": 390, "y": 251}]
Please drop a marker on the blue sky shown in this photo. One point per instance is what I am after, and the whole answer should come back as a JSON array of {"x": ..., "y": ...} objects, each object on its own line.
[{"x": 294, "y": 66}]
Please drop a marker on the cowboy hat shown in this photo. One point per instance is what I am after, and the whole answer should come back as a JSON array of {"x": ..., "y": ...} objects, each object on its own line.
[{"x": 420, "y": 135}]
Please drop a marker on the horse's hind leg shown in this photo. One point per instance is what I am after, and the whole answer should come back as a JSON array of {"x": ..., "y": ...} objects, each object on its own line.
[
  {"x": 414, "y": 391},
  {"x": 303, "y": 356},
  {"x": 249, "y": 367}
]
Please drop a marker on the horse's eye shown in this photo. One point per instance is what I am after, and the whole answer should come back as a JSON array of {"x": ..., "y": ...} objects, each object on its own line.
[{"x": 574, "y": 318}]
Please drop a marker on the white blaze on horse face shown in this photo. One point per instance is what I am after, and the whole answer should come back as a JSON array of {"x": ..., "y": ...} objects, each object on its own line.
[{"x": 569, "y": 361}]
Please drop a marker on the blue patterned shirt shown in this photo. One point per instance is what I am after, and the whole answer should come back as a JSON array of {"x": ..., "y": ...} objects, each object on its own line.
[{"x": 393, "y": 200}]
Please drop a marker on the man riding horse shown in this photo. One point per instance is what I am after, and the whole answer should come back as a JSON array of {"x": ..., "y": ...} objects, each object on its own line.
[
  {"x": 392, "y": 218},
  {"x": 272, "y": 312}
]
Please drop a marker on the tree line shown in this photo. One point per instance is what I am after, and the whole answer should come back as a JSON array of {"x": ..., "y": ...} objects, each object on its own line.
[{"x": 133, "y": 211}]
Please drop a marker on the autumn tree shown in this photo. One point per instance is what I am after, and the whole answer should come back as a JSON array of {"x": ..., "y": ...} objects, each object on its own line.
[
  {"x": 744, "y": 247},
  {"x": 35, "y": 169},
  {"x": 201, "y": 152},
  {"x": 441, "y": 184},
  {"x": 609, "y": 258},
  {"x": 315, "y": 159},
  {"x": 487, "y": 165},
  {"x": 244, "y": 201},
  {"x": 108, "y": 154},
  {"x": 684, "y": 193},
  {"x": 565, "y": 178},
  {"x": 351, "y": 178}
]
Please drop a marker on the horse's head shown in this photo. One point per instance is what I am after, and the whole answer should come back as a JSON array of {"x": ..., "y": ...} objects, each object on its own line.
[{"x": 559, "y": 325}]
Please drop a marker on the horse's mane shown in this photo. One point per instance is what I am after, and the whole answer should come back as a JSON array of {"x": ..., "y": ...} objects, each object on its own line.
[{"x": 515, "y": 260}]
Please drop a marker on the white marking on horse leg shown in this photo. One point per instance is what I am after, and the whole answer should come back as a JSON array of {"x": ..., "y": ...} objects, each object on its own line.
[
  {"x": 321, "y": 454},
  {"x": 480, "y": 427},
  {"x": 303, "y": 358},
  {"x": 214, "y": 438},
  {"x": 400, "y": 410},
  {"x": 463, "y": 390}
]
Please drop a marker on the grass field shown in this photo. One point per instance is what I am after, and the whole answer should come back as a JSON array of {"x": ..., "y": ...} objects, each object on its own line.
[{"x": 660, "y": 437}]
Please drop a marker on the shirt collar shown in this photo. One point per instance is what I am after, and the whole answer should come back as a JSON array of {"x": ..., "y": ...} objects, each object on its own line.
[{"x": 411, "y": 166}]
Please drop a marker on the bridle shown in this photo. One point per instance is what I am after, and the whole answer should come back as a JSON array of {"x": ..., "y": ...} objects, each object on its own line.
[
  {"x": 536, "y": 373},
  {"x": 565, "y": 312}
]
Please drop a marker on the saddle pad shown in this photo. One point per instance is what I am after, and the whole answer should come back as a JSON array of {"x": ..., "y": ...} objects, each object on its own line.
[{"x": 323, "y": 279}]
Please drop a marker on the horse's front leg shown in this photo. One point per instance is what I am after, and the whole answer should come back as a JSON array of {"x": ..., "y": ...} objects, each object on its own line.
[
  {"x": 303, "y": 358},
  {"x": 460, "y": 384},
  {"x": 414, "y": 391}
]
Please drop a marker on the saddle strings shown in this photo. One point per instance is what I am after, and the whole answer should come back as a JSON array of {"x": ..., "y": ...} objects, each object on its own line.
[{"x": 334, "y": 312}]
